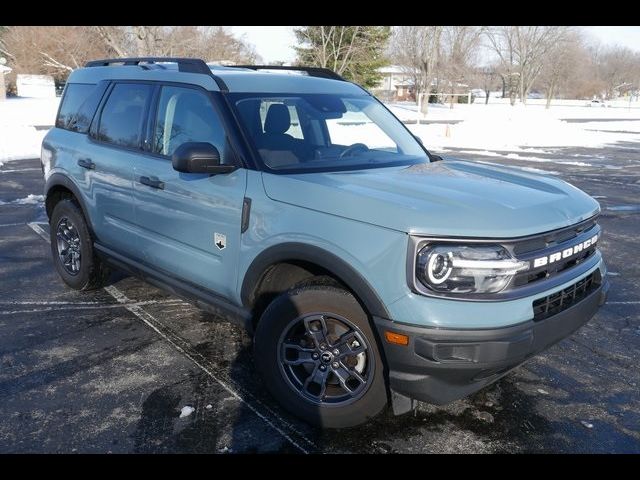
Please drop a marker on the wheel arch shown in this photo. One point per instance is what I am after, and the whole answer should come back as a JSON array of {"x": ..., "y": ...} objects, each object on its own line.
[
  {"x": 59, "y": 186},
  {"x": 293, "y": 253}
]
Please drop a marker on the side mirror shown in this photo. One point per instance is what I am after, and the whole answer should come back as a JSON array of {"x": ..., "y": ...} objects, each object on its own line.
[
  {"x": 199, "y": 157},
  {"x": 436, "y": 158}
]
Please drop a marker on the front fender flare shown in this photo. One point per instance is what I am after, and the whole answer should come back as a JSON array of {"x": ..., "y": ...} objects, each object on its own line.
[{"x": 308, "y": 253}]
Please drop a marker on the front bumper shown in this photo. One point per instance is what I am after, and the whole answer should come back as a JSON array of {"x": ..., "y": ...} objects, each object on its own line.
[{"x": 442, "y": 365}]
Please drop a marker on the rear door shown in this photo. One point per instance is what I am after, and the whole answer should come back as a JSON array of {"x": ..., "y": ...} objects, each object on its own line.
[
  {"x": 116, "y": 137},
  {"x": 189, "y": 223}
]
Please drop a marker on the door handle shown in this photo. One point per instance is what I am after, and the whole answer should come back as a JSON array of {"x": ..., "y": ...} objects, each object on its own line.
[
  {"x": 87, "y": 163},
  {"x": 152, "y": 182}
]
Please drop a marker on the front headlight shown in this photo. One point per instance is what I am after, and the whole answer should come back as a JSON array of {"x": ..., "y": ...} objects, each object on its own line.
[{"x": 466, "y": 269}]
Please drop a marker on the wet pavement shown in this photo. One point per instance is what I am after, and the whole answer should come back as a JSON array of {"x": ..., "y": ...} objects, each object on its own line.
[{"x": 111, "y": 370}]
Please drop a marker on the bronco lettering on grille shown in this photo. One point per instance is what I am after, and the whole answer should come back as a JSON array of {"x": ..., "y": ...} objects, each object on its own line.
[{"x": 566, "y": 253}]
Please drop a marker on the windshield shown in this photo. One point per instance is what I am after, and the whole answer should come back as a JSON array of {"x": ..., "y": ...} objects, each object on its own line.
[{"x": 311, "y": 132}]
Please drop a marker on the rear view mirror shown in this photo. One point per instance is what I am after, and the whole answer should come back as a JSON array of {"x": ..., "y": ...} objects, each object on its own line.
[
  {"x": 328, "y": 106},
  {"x": 199, "y": 157}
]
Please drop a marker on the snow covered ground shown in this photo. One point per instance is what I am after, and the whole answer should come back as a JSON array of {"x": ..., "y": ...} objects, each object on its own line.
[
  {"x": 524, "y": 131},
  {"x": 19, "y": 117},
  {"x": 528, "y": 129}
]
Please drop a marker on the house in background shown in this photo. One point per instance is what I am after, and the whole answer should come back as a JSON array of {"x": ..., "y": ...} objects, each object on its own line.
[{"x": 397, "y": 84}]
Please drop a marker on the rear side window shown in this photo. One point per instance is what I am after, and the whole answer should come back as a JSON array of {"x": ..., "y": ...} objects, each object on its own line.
[
  {"x": 122, "y": 116},
  {"x": 75, "y": 95},
  {"x": 186, "y": 115}
]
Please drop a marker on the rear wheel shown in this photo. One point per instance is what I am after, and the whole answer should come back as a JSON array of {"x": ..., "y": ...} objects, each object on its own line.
[
  {"x": 318, "y": 356},
  {"x": 72, "y": 248}
]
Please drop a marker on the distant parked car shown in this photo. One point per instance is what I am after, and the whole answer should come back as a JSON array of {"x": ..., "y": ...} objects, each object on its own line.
[
  {"x": 535, "y": 95},
  {"x": 597, "y": 103}
]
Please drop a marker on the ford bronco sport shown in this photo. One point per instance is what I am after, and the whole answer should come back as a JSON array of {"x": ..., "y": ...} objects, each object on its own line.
[{"x": 368, "y": 270}]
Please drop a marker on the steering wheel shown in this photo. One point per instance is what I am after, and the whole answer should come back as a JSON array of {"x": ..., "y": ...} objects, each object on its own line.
[{"x": 353, "y": 148}]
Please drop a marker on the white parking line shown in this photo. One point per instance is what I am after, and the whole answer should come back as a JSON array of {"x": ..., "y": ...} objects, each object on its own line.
[
  {"x": 53, "y": 302},
  {"x": 39, "y": 230},
  {"x": 155, "y": 324},
  {"x": 200, "y": 361},
  {"x": 14, "y": 170},
  {"x": 12, "y": 224},
  {"x": 63, "y": 306}
]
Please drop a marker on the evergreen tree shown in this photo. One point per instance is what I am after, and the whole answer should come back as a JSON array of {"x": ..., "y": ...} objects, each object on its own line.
[{"x": 355, "y": 52}]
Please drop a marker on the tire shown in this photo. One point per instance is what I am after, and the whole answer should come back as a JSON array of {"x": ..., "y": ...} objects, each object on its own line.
[
  {"x": 88, "y": 272},
  {"x": 289, "y": 320}
]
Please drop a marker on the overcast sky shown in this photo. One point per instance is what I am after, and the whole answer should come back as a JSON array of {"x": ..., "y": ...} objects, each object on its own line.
[{"x": 274, "y": 43}]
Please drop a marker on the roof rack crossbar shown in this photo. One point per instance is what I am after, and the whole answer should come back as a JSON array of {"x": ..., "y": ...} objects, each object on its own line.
[
  {"x": 188, "y": 65},
  {"x": 311, "y": 71}
]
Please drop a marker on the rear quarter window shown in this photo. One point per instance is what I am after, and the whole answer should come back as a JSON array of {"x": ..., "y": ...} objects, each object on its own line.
[{"x": 75, "y": 95}]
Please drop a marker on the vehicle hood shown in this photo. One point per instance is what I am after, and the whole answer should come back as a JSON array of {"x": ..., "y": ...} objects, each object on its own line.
[{"x": 452, "y": 198}]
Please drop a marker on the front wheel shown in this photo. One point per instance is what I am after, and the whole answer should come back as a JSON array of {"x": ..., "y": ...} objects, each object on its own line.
[{"x": 318, "y": 356}]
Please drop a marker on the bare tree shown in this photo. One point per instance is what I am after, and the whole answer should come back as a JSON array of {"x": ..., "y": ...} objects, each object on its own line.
[
  {"x": 502, "y": 41},
  {"x": 115, "y": 38},
  {"x": 487, "y": 78},
  {"x": 457, "y": 56},
  {"x": 417, "y": 48},
  {"x": 522, "y": 51},
  {"x": 330, "y": 46},
  {"x": 561, "y": 63},
  {"x": 618, "y": 69},
  {"x": 58, "y": 50},
  {"x": 50, "y": 50}
]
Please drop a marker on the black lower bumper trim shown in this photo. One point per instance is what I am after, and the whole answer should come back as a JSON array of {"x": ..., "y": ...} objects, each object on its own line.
[{"x": 442, "y": 365}]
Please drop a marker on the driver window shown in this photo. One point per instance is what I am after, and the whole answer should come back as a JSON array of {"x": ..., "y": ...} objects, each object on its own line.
[{"x": 186, "y": 115}]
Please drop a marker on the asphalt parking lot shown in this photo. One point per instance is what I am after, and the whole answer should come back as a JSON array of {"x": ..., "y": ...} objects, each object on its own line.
[{"x": 111, "y": 370}]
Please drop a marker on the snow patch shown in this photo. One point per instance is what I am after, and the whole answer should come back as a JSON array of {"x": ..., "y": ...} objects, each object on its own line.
[
  {"x": 186, "y": 411},
  {"x": 538, "y": 170},
  {"x": 526, "y": 169},
  {"x": 19, "y": 138},
  {"x": 30, "y": 199},
  {"x": 515, "y": 128},
  {"x": 577, "y": 164}
]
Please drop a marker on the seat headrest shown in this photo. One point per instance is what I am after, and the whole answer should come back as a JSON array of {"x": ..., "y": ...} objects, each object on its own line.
[{"x": 278, "y": 119}]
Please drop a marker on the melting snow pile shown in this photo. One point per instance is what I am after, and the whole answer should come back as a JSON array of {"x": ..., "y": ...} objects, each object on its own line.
[{"x": 19, "y": 139}]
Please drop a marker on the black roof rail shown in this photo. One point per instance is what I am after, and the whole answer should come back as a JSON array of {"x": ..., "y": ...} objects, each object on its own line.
[
  {"x": 311, "y": 71},
  {"x": 188, "y": 65}
]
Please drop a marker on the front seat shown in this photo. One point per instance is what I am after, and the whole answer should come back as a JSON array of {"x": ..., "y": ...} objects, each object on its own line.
[{"x": 274, "y": 139}]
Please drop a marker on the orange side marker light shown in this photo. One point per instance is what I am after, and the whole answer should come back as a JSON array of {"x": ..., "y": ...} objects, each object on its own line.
[{"x": 396, "y": 338}]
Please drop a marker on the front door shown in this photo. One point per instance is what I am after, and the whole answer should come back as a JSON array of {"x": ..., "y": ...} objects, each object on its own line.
[{"x": 189, "y": 224}]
